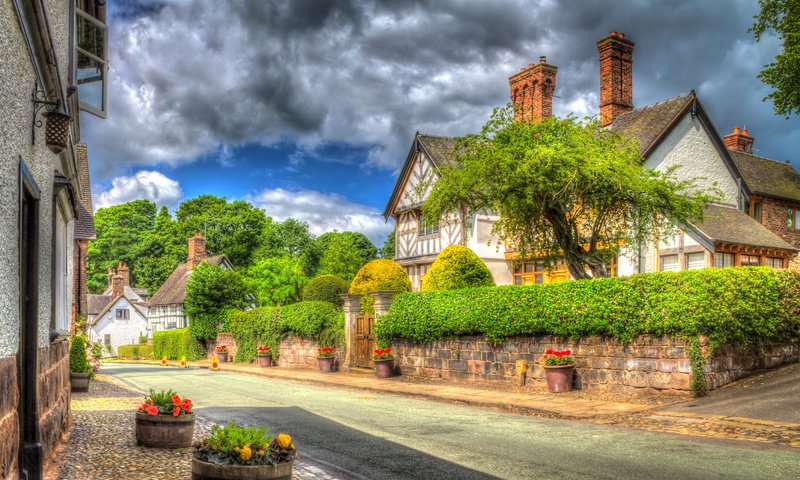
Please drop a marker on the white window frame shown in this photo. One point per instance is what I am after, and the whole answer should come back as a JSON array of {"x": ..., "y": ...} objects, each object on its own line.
[
  {"x": 60, "y": 294},
  {"x": 661, "y": 263},
  {"x": 689, "y": 255}
]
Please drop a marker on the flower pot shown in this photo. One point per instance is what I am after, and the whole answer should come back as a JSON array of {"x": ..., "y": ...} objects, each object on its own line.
[
  {"x": 164, "y": 431},
  {"x": 264, "y": 361},
  {"x": 325, "y": 364},
  {"x": 210, "y": 471},
  {"x": 79, "y": 382},
  {"x": 559, "y": 377},
  {"x": 384, "y": 368},
  {"x": 222, "y": 357}
]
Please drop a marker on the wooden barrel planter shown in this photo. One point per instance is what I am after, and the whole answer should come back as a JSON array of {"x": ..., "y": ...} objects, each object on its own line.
[
  {"x": 164, "y": 431},
  {"x": 384, "y": 368},
  {"x": 79, "y": 382},
  {"x": 265, "y": 361},
  {"x": 210, "y": 471}
]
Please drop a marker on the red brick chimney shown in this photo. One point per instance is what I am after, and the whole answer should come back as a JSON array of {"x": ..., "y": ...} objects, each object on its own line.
[
  {"x": 122, "y": 270},
  {"x": 616, "y": 76},
  {"x": 739, "y": 140},
  {"x": 532, "y": 91},
  {"x": 197, "y": 250},
  {"x": 117, "y": 285}
]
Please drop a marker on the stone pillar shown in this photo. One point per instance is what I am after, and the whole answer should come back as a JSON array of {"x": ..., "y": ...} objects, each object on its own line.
[
  {"x": 352, "y": 306},
  {"x": 383, "y": 300}
]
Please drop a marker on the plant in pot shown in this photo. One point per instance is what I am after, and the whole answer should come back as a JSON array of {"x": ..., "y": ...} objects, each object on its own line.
[
  {"x": 222, "y": 353},
  {"x": 165, "y": 420},
  {"x": 559, "y": 368},
  {"x": 384, "y": 362},
  {"x": 264, "y": 357},
  {"x": 234, "y": 452},
  {"x": 325, "y": 359},
  {"x": 80, "y": 370}
]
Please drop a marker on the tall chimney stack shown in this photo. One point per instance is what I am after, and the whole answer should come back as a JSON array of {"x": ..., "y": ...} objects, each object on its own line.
[
  {"x": 616, "y": 76},
  {"x": 117, "y": 285},
  {"x": 532, "y": 91},
  {"x": 739, "y": 140},
  {"x": 123, "y": 270},
  {"x": 197, "y": 250}
]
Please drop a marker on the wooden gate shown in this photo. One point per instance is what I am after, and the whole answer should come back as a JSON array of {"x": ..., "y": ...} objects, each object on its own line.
[{"x": 365, "y": 341}]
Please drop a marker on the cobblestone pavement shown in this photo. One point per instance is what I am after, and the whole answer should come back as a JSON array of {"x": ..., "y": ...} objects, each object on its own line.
[{"x": 102, "y": 445}]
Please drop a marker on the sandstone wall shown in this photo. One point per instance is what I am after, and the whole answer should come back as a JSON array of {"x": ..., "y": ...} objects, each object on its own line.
[
  {"x": 54, "y": 395},
  {"x": 9, "y": 422}
]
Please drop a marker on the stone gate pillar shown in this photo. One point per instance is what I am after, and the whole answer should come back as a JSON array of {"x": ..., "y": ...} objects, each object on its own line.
[
  {"x": 383, "y": 300},
  {"x": 351, "y": 307}
]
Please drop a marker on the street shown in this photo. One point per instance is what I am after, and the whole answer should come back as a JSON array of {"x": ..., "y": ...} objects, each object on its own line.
[{"x": 358, "y": 435}]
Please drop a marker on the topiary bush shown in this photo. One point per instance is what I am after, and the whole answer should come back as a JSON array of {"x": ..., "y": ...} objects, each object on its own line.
[
  {"x": 176, "y": 344},
  {"x": 326, "y": 288},
  {"x": 77, "y": 356},
  {"x": 379, "y": 275},
  {"x": 457, "y": 267}
]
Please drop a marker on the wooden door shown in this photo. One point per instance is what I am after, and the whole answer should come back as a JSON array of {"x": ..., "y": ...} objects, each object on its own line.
[{"x": 365, "y": 341}]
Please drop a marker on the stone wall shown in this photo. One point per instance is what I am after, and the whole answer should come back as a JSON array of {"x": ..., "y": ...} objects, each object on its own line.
[
  {"x": 223, "y": 339},
  {"x": 294, "y": 352},
  {"x": 54, "y": 395},
  {"x": 728, "y": 364},
  {"x": 9, "y": 422}
]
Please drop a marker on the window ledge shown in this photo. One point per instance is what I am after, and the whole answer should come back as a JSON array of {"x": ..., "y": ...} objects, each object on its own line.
[{"x": 58, "y": 336}]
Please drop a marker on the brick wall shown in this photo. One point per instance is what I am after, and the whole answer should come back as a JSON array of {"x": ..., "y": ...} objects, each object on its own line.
[
  {"x": 223, "y": 339},
  {"x": 294, "y": 352},
  {"x": 54, "y": 395},
  {"x": 9, "y": 422},
  {"x": 774, "y": 214}
]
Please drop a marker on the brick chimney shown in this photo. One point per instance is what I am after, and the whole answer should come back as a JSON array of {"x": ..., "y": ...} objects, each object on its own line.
[
  {"x": 122, "y": 270},
  {"x": 616, "y": 76},
  {"x": 739, "y": 140},
  {"x": 117, "y": 285},
  {"x": 532, "y": 91},
  {"x": 197, "y": 250}
]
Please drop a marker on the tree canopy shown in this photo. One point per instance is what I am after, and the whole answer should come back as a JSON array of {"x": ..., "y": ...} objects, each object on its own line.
[
  {"x": 211, "y": 292},
  {"x": 389, "y": 246},
  {"x": 276, "y": 281},
  {"x": 781, "y": 17}
]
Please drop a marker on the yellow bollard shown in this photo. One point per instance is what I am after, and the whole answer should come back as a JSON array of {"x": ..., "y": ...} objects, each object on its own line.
[
  {"x": 522, "y": 369},
  {"x": 183, "y": 363},
  {"x": 164, "y": 361},
  {"x": 214, "y": 363}
]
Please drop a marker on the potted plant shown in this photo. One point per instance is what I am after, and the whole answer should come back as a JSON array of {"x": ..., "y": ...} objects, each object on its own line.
[
  {"x": 264, "y": 357},
  {"x": 222, "y": 353},
  {"x": 80, "y": 371},
  {"x": 559, "y": 367},
  {"x": 384, "y": 362},
  {"x": 325, "y": 359},
  {"x": 234, "y": 452},
  {"x": 165, "y": 420}
]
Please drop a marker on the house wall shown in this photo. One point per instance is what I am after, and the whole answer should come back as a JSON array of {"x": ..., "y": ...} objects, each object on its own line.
[
  {"x": 161, "y": 316},
  {"x": 774, "y": 214},
  {"x": 123, "y": 332}
]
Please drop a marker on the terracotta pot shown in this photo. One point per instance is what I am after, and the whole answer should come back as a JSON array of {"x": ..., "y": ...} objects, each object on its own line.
[
  {"x": 325, "y": 364},
  {"x": 384, "y": 368},
  {"x": 79, "y": 382},
  {"x": 209, "y": 471},
  {"x": 559, "y": 378},
  {"x": 222, "y": 357},
  {"x": 264, "y": 361},
  {"x": 164, "y": 431}
]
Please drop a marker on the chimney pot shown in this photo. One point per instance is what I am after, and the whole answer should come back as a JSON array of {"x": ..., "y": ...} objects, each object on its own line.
[
  {"x": 543, "y": 59},
  {"x": 530, "y": 65},
  {"x": 739, "y": 140},
  {"x": 744, "y": 132},
  {"x": 736, "y": 130}
]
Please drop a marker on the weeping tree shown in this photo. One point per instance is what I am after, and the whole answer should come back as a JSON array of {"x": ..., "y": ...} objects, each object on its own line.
[{"x": 566, "y": 190}]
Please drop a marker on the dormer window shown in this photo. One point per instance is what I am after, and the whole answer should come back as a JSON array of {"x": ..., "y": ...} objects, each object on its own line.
[{"x": 91, "y": 56}]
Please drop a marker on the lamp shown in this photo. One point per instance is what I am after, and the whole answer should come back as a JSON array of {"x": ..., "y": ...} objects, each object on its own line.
[{"x": 57, "y": 128}]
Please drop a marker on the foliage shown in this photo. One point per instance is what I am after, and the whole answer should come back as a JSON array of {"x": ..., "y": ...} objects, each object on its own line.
[
  {"x": 326, "y": 288},
  {"x": 138, "y": 350},
  {"x": 97, "y": 350},
  {"x": 567, "y": 191},
  {"x": 557, "y": 358},
  {"x": 142, "y": 338},
  {"x": 289, "y": 238},
  {"x": 177, "y": 343},
  {"x": 340, "y": 257},
  {"x": 388, "y": 249},
  {"x": 383, "y": 354},
  {"x": 276, "y": 281},
  {"x": 781, "y": 17},
  {"x": 77, "y": 356},
  {"x": 264, "y": 352},
  {"x": 234, "y": 445},
  {"x": 743, "y": 305},
  {"x": 80, "y": 325},
  {"x": 379, "y": 275},
  {"x": 210, "y": 293},
  {"x": 165, "y": 402},
  {"x": 457, "y": 267}
]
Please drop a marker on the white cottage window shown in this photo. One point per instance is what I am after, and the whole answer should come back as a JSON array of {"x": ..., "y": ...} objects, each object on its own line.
[{"x": 60, "y": 294}]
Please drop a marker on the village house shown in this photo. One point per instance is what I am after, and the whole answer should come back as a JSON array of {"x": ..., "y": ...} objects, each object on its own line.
[
  {"x": 53, "y": 66},
  {"x": 119, "y": 315},
  {"x": 84, "y": 233},
  {"x": 755, "y": 222}
]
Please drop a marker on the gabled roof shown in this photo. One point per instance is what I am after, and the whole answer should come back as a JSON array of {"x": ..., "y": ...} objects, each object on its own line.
[
  {"x": 173, "y": 291},
  {"x": 731, "y": 225},
  {"x": 111, "y": 304},
  {"x": 84, "y": 222},
  {"x": 96, "y": 303},
  {"x": 133, "y": 294},
  {"x": 768, "y": 177},
  {"x": 649, "y": 124}
]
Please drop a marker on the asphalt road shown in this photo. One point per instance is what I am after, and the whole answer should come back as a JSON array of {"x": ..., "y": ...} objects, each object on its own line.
[{"x": 386, "y": 437}]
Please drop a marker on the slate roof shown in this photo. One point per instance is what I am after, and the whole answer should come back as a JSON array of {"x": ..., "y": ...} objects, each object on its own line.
[
  {"x": 173, "y": 291},
  {"x": 133, "y": 294},
  {"x": 96, "y": 303},
  {"x": 768, "y": 177},
  {"x": 110, "y": 305},
  {"x": 84, "y": 223},
  {"x": 439, "y": 149},
  {"x": 648, "y": 124},
  {"x": 731, "y": 225}
]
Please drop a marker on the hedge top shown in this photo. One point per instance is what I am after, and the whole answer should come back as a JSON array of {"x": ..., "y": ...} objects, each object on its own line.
[
  {"x": 457, "y": 267},
  {"x": 326, "y": 288},
  {"x": 381, "y": 275}
]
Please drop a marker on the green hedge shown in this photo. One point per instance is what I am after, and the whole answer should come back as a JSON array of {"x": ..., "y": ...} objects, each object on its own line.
[
  {"x": 321, "y": 321},
  {"x": 176, "y": 344},
  {"x": 138, "y": 350},
  {"x": 733, "y": 305}
]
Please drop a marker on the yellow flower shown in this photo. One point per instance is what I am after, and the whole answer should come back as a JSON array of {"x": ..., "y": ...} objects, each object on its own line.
[
  {"x": 284, "y": 441},
  {"x": 246, "y": 453}
]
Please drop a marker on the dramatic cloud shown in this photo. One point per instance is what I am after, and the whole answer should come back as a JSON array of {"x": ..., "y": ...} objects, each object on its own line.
[
  {"x": 189, "y": 76},
  {"x": 323, "y": 212},
  {"x": 145, "y": 185}
]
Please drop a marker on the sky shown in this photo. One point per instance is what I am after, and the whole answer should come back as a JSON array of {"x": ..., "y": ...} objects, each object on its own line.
[{"x": 307, "y": 108}]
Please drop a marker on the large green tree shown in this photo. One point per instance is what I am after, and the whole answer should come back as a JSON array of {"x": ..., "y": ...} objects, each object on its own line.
[
  {"x": 276, "y": 281},
  {"x": 162, "y": 249},
  {"x": 781, "y": 17},
  {"x": 341, "y": 257},
  {"x": 566, "y": 190},
  {"x": 211, "y": 294},
  {"x": 389, "y": 246}
]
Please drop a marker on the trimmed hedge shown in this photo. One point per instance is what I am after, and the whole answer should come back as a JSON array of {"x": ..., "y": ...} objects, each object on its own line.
[
  {"x": 457, "y": 267},
  {"x": 381, "y": 274},
  {"x": 326, "y": 288},
  {"x": 322, "y": 321},
  {"x": 139, "y": 350},
  {"x": 746, "y": 305},
  {"x": 176, "y": 344}
]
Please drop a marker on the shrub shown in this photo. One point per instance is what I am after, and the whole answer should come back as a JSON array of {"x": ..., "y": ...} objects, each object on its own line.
[
  {"x": 326, "y": 288},
  {"x": 732, "y": 305},
  {"x": 176, "y": 344},
  {"x": 138, "y": 350},
  {"x": 97, "y": 350},
  {"x": 77, "y": 356},
  {"x": 379, "y": 275},
  {"x": 210, "y": 293},
  {"x": 457, "y": 267}
]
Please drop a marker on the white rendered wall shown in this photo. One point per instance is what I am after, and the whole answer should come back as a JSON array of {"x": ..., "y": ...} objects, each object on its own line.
[{"x": 123, "y": 332}]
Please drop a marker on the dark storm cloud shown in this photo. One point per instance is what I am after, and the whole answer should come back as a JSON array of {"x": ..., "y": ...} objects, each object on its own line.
[{"x": 191, "y": 76}]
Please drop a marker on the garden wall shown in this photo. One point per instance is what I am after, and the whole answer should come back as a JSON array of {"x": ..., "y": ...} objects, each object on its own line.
[
  {"x": 294, "y": 352},
  {"x": 9, "y": 421}
]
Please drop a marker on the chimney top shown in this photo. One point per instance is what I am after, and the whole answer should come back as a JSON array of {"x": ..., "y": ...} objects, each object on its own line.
[
  {"x": 739, "y": 140},
  {"x": 616, "y": 76},
  {"x": 532, "y": 91},
  {"x": 197, "y": 250},
  {"x": 543, "y": 59},
  {"x": 117, "y": 285}
]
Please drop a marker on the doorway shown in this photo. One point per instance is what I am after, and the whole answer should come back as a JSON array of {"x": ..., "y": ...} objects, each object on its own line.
[{"x": 365, "y": 341}]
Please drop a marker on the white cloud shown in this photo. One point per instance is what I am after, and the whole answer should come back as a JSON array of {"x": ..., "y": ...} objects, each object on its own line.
[
  {"x": 144, "y": 185},
  {"x": 324, "y": 212}
]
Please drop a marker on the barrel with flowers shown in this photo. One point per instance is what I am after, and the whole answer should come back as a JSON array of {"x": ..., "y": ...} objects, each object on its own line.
[{"x": 165, "y": 420}]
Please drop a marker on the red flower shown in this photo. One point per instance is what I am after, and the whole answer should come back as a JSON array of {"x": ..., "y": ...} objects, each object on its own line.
[
  {"x": 176, "y": 400},
  {"x": 176, "y": 411},
  {"x": 567, "y": 352},
  {"x": 549, "y": 352},
  {"x": 152, "y": 410},
  {"x": 387, "y": 350}
]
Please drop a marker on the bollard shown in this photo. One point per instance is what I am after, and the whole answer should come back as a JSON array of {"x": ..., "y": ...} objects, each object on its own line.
[
  {"x": 164, "y": 361},
  {"x": 214, "y": 363},
  {"x": 183, "y": 362},
  {"x": 522, "y": 369}
]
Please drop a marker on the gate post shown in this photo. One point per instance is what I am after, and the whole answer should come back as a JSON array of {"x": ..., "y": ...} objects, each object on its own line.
[
  {"x": 352, "y": 306},
  {"x": 383, "y": 300}
]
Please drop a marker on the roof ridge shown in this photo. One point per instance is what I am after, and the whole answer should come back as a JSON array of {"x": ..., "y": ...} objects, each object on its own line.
[
  {"x": 780, "y": 162},
  {"x": 655, "y": 104},
  {"x": 435, "y": 136}
]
